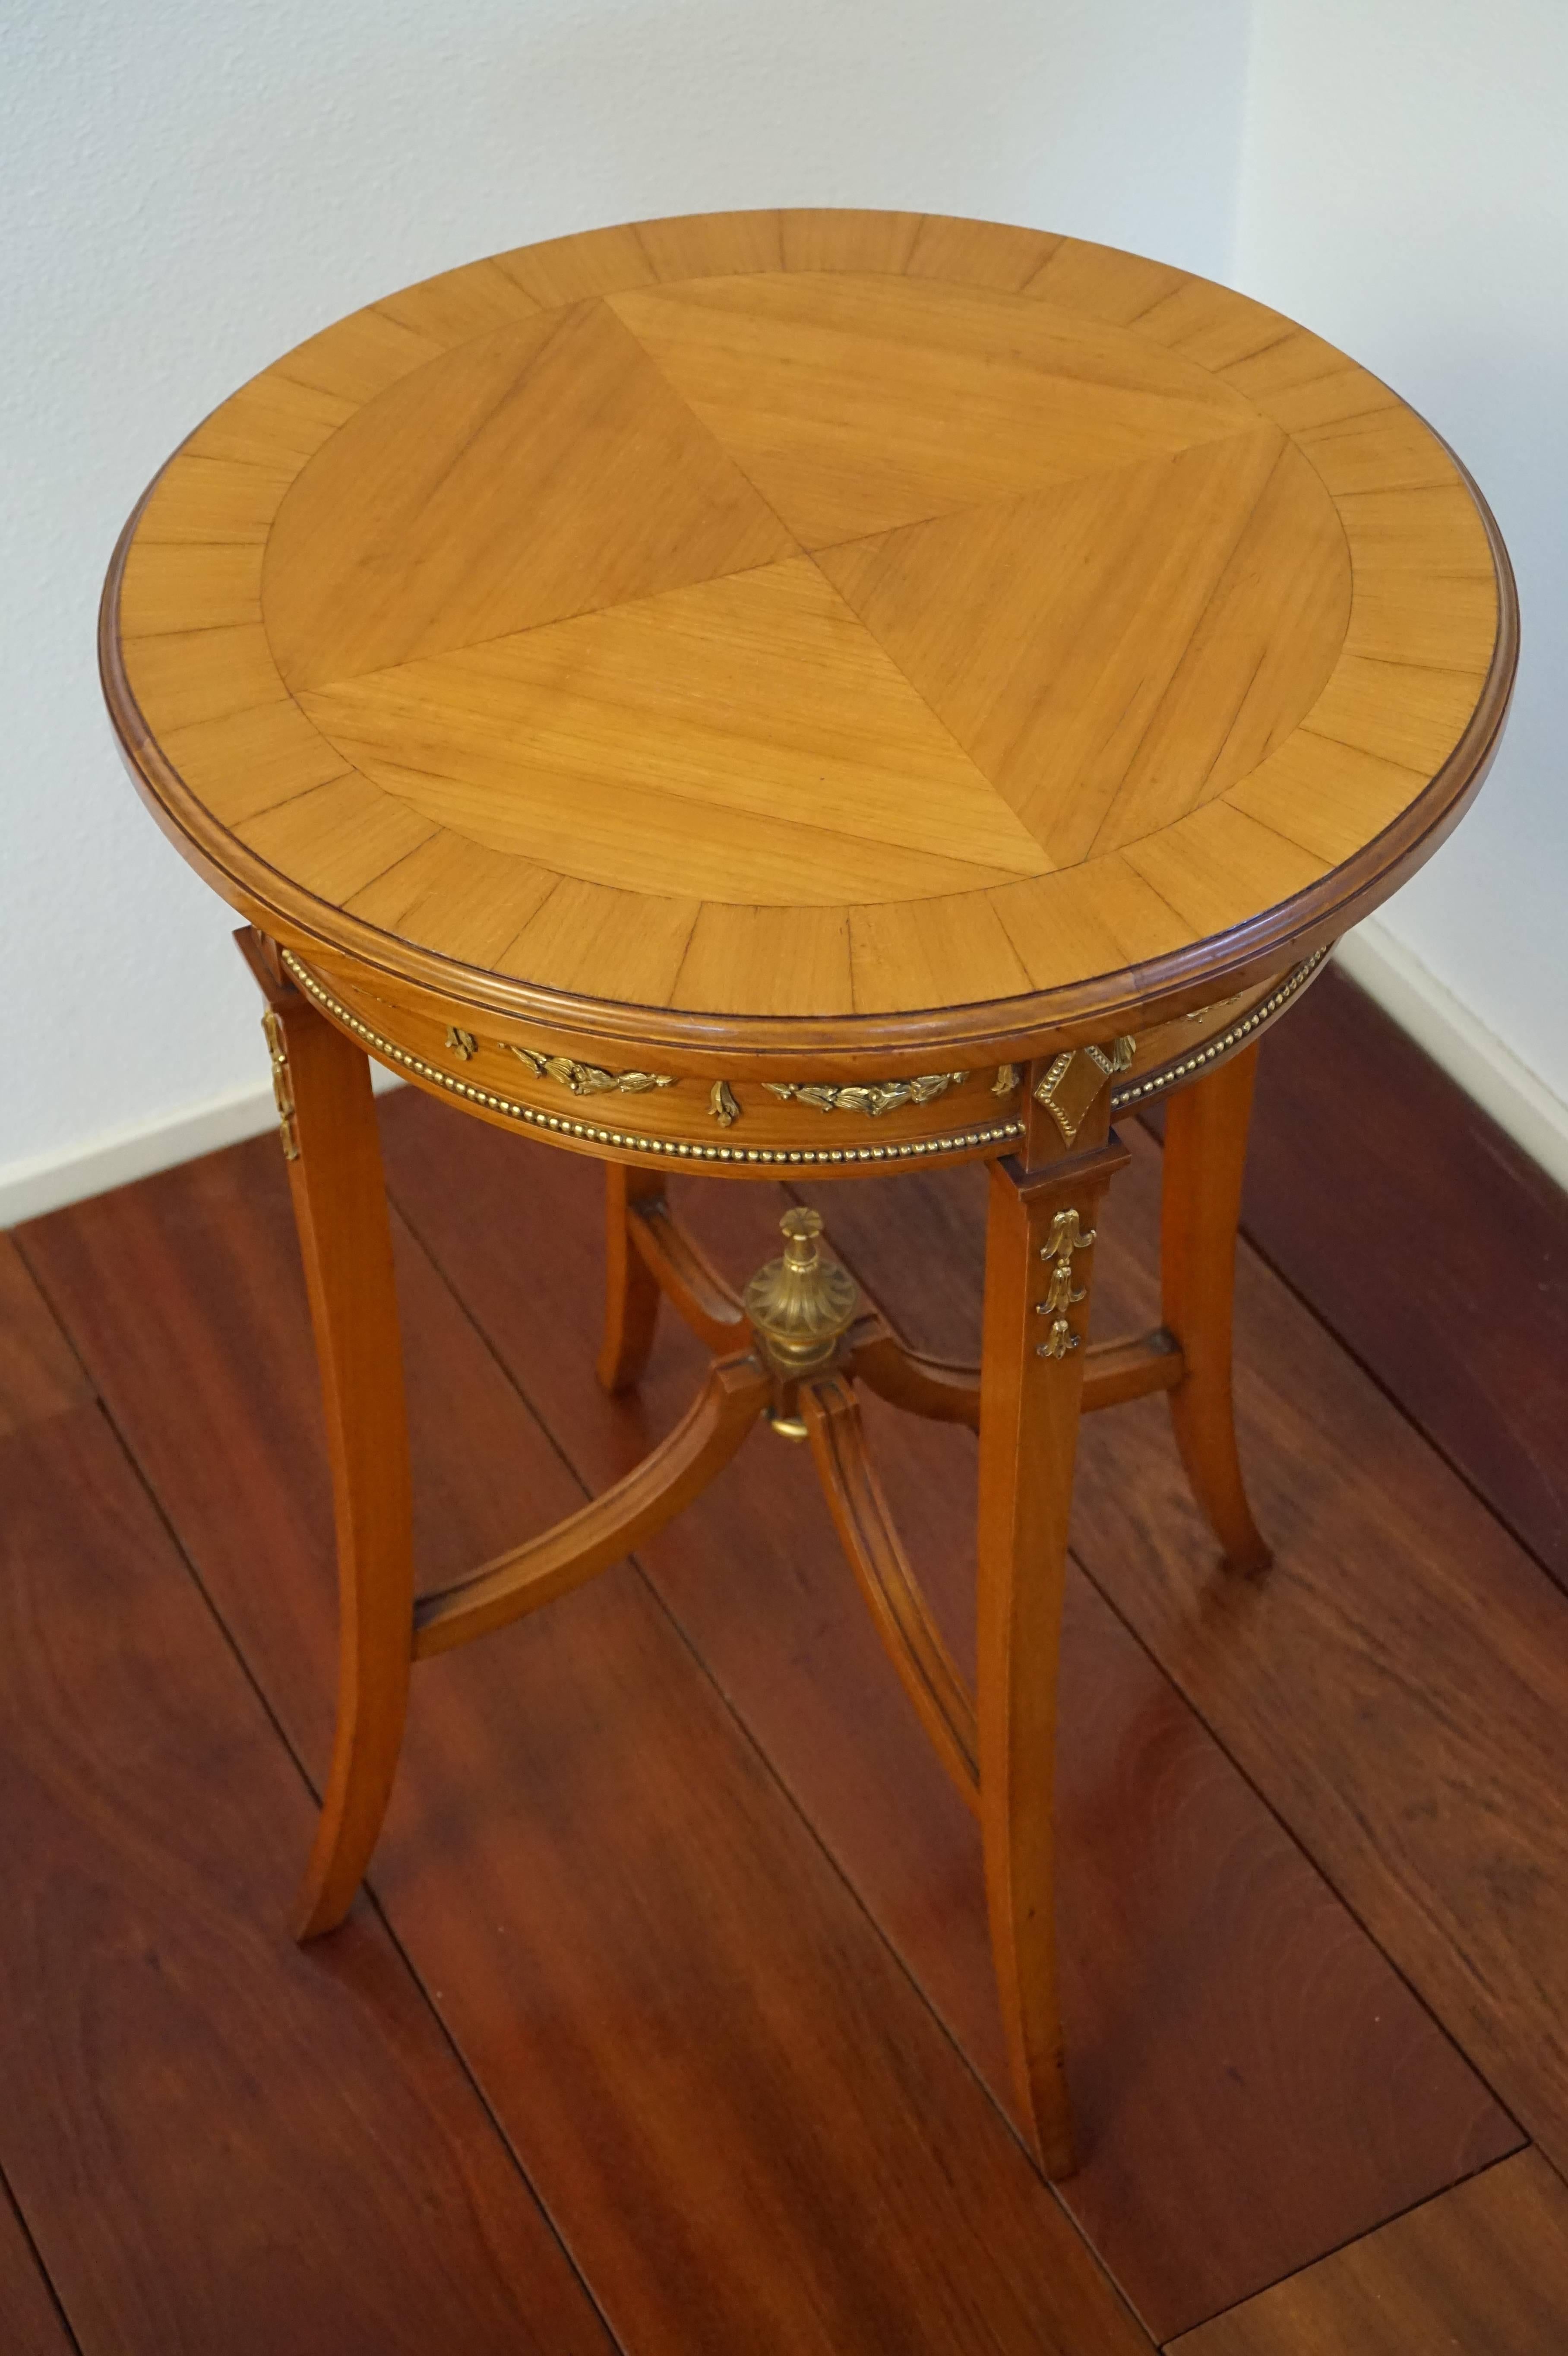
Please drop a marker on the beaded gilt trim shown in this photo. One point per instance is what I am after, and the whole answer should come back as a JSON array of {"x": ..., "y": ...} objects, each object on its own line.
[
  {"x": 1154, "y": 1084},
  {"x": 1004, "y": 1133},
  {"x": 1001, "y": 1132}
]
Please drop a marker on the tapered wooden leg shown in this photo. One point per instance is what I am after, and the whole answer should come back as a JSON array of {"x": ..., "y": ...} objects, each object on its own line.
[
  {"x": 1205, "y": 1154},
  {"x": 340, "y": 1206},
  {"x": 631, "y": 1289},
  {"x": 1039, "y": 1252}
]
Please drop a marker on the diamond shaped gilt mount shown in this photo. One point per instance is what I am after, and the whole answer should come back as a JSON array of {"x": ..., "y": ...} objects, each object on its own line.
[{"x": 1074, "y": 1082}]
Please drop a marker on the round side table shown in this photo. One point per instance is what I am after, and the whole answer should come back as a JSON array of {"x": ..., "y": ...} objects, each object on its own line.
[{"x": 808, "y": 693}]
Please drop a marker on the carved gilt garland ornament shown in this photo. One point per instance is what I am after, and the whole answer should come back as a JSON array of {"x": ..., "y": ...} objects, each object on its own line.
[
  {"x": 875, "y": 1097},
  {"x": 1003, "y": 1131},
  {"x": 283, "y": 1086},
  {"x": 1066, "y": 1236},
  {"x": 587, "y": 1079},
  {"x": 582, "y": 1079}
]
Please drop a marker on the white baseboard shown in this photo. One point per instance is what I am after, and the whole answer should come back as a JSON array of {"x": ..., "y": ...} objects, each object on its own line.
[
  {"x": 47, "y": 1182},
  {"x": 1487, "y": 1070},
  {"x": 1474, "y": 1056}
]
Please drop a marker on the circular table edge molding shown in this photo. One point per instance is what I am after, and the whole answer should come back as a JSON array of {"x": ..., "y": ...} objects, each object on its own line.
[{"x": 1180, "y": 981}]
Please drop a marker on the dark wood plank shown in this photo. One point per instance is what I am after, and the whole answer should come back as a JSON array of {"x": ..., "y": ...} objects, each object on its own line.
[
  {"x": 1483, "y": 2270},
  {"x": 1252, "y": 2082},
  {"x": 1395, "y": 1687},
  {"x": 218, "y": 2142},
  {"x": 1426, "y": 1239},
  {"x": 30, "y": 2322},
  {"x": 748, "y": 2126},
  {"x": 40, "y": 1374}
]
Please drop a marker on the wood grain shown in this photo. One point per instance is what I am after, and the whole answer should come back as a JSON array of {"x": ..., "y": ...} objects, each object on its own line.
[
  {"x": 1482, "y": 2268},
  {"x": 1212, "y": 324},
  {"x": 1392, "y": 1687},
  {"x": 841, "y": 238},
  {"x": 29, "y": 2318},
  {"x": 358, "y": 357},
  {"x": 682, "y": 1273},
  {"x": 1321, "y": 795},
  {"x": 346, "y": 1249},
  {"x": 803, "y": 564},
  {"x": 979, "y": 253},
  {"x": 1029, "y": 1418},
  {"x": 218, "y": 2142},
  {"x": 207, "y": 499},
  {"x": 1218, "y": 865},
  {"x": 914, "y": 1642},
  {"x": 40, "y": 1374},
  {"x": 1301, "y": 381},
  {"x": 742, "y": 2115},
  {"x": 1104, "y": 281},
  {"x": 1205, "y": 1155},
  {"x": 338, "y": 837},
  {"x": 835, "y": 783},
  {"x": 1347, "y": 1104},
  {"x": 1028, "y": 656},
  {"x": 622, "y": 1517},
  {"x": 259, "y": 756},
  {"x": 633, "y": 1291},
  {"x": 202, "y": 585},
  {"x": 1108, "y": 695},
  {"x": 230, "y": 671},
  {"x": 1287, "y": 2102},
  {"x": 858, "y": 403},
  {"x": 471, "y": 300},
  {"x": 1421, "y": 730},
  {"x": 386, "y": 550},
  {"x": 486, "y": 898},
  {"x": 712, "y": 245},
  {"x": 1251, "y": 2084},
  {"x": 563, "y": 270},
  {"x": 270, "y": 422}
]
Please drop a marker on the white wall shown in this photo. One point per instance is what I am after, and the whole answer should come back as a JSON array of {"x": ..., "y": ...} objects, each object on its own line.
[
  {"x": 1405, "y": 189},
  {"x": 189, "y": 188}
]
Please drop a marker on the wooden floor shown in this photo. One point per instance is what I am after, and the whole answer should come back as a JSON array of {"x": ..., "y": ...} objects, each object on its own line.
[{"x": 668, "y": 2026}]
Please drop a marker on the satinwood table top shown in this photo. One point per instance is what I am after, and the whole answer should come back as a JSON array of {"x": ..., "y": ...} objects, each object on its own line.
[{"x": 825, "y": 620}]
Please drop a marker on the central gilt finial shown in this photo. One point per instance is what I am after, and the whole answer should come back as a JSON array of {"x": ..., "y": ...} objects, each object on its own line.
[{"x": 801, "y": 1303}]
